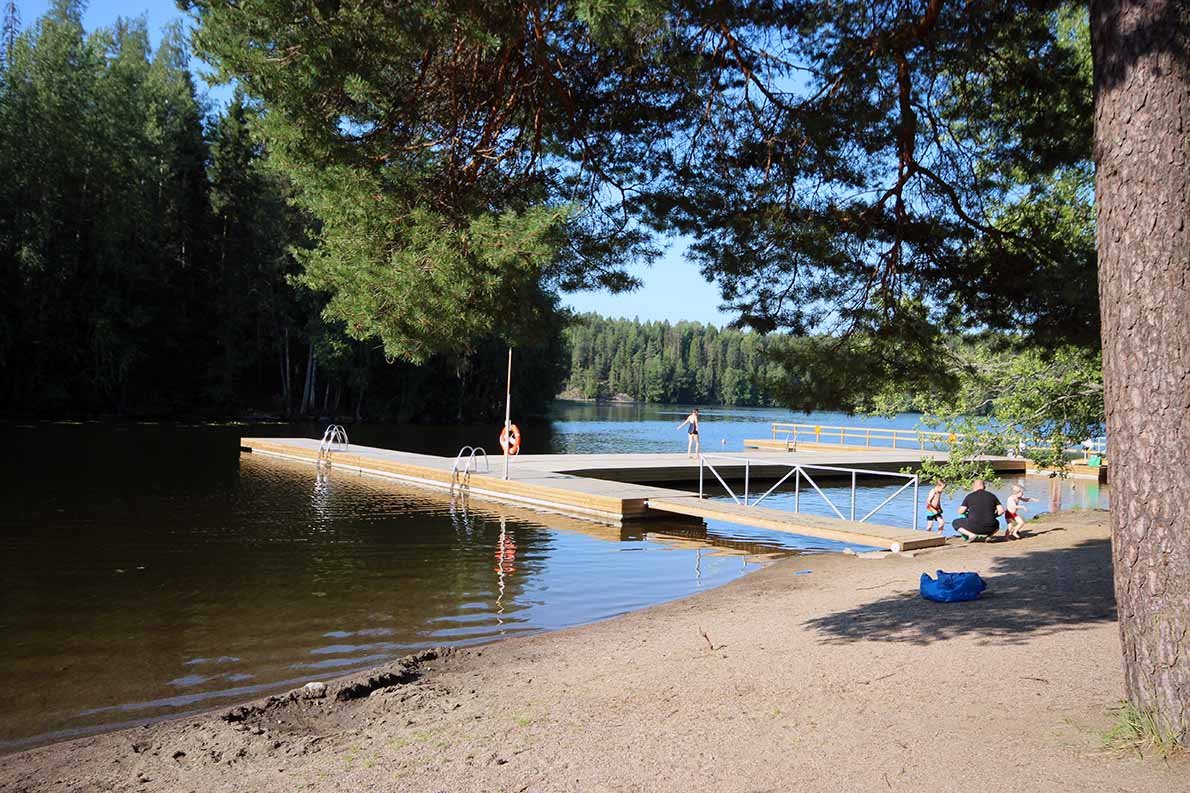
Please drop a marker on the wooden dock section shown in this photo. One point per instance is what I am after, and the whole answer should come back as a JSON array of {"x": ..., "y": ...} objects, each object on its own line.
[
  {"x": 614, "y": 488},
  {"x": 1079, "y": 469},
  {"x": 532, "y": 485},
  {"x": 845, "y": 531}
]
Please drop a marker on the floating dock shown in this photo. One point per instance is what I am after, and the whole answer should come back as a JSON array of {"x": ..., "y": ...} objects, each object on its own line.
[
  {"x": 1079, "y": 469},
  {"x": 614, "y": 488}
]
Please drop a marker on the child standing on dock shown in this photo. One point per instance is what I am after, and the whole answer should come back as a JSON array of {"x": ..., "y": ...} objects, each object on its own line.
[
  {"x": 934, "y": 507},
  {"x": 1013, "y": 510},
  {"x": 692, "y": 441}
]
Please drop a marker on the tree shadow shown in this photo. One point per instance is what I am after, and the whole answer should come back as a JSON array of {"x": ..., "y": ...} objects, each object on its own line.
[{"x": 1036, "y": 594}]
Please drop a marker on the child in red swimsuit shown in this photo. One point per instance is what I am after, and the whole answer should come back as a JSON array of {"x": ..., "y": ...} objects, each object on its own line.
[
  {"x": 1013, "y": 510},
  {"x": 934, "y": 507}
]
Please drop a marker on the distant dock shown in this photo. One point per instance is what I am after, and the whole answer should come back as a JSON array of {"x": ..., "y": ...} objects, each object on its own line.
[
  {"x": 614, "y": 488},
  {"x": 801, "y": 437}
]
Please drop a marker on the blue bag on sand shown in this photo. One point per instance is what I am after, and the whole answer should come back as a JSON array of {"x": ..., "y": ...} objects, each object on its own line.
[{"x": 952, "y": 587}]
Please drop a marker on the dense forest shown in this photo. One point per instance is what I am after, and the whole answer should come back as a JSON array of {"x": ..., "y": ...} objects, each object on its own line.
[
  {"x": 150, "y": 257},
  {"x": 686, "y": 362}
]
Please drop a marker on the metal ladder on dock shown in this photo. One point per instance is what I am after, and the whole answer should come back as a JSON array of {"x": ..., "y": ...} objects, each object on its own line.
[
  {"x": 466, "y": 461},
  {"x": 334, "y": 439}
]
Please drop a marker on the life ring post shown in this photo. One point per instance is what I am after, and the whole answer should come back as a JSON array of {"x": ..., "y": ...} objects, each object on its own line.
[{"x": 508, "y": 413}]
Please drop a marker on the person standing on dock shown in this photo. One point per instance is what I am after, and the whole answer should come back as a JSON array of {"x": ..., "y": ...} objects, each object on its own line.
[
  {"x": 979, "y": 514},
  {"x": 692, "y": 440}
]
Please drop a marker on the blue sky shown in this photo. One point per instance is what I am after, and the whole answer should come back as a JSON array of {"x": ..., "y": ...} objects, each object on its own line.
[{"x": 673, "y": 288}]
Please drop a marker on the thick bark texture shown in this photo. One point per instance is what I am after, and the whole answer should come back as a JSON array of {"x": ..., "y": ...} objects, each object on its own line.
[{"x": 1142, "y": 124}]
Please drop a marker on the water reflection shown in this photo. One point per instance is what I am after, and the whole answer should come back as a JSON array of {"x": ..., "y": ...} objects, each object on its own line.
[
  {"x": 505, "y": 556},
  {"x": 319, "y": 498},
  {"x": 150, "y": 573}
]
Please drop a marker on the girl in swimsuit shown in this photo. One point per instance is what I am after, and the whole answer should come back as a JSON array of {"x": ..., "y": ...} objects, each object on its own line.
[{"x": 692, "y": 441}]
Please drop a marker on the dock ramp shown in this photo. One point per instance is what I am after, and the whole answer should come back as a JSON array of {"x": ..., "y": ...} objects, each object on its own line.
[{"x": 845, "y": 531}]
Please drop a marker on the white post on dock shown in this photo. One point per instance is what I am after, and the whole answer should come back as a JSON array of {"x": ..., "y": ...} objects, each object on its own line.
[
  {"x": 507, "y": 410},
  {"x": 747, "y": 469},
  {"x": 916, "y": 480},
  {"x": 853, "y": 495}
]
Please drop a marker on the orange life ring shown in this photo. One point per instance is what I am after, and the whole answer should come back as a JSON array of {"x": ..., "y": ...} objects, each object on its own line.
[{"x": 510, "y": 439}]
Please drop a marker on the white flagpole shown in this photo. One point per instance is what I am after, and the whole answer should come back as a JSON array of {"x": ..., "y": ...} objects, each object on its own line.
[{"x": 508, "y": 411}]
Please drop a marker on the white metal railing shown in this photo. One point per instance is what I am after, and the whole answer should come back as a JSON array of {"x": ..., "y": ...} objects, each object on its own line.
[
  {"x": 334, "y": 439},
  {"x": 469, "y": 457},
  {"x": 856, "y": 436},
  {"x": 884, "y": 437},
  {"x": 799, "y": 472}
]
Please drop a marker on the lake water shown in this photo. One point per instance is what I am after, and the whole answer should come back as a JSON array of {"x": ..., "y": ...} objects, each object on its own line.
[{"x": 153, "y": 570}]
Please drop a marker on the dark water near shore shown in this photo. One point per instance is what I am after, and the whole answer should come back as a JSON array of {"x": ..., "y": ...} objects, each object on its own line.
[{"x": 153, "y": 570}]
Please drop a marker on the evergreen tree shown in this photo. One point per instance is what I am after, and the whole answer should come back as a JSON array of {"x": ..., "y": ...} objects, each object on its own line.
[
  {"x": 664, "y": 363},
  {"x": 147, "y": 254}
]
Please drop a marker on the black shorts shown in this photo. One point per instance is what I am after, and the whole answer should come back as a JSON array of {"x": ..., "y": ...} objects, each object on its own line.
[
  {"x": 694, "y": 432},
  {"x": 983, "y": 531}
]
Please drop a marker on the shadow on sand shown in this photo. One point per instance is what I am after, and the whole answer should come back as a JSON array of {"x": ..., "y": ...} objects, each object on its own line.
[{"x": 1034, "y": 594}]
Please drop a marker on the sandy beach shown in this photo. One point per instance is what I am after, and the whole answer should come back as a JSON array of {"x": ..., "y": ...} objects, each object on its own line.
[{"x": 823, "y": 672}]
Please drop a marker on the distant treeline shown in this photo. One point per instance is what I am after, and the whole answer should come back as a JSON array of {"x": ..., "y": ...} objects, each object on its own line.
[
  {"x": 147, "y": 255},
  {"x": 687, "y": 362}
]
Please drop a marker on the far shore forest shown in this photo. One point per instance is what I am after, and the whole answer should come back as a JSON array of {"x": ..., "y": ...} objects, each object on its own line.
[{"x": 664, "y": 363}]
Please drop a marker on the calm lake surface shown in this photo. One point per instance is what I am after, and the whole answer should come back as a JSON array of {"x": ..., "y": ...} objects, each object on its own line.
[{"x": 152, "y": 570}]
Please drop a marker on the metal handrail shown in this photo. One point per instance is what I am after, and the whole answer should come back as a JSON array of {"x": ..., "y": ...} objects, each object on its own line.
[
  {"x": 334, "y": 438},
  {"x": 798, "y": 471},
  {"x": 473, "y": 461},
  {"x": 470, "y": 463}
]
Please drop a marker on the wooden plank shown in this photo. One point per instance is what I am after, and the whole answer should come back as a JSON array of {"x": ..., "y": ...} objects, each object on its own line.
[{"x": 797, "y": 523}]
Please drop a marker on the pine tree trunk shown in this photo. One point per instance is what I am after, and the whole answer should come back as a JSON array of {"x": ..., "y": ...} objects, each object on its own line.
[
  {"x": 286, "y": 396},
  {"x": 308, "y": 395},
  {"x": 1142, "y": 154},
  {"x": 359, "y": 403}
]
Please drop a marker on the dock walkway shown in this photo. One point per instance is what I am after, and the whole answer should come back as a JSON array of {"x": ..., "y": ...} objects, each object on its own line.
[{"x": 613, "y": 488}]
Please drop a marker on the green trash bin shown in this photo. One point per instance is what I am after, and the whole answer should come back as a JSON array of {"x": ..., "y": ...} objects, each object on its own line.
[{"x": 1095, "y": 460}]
